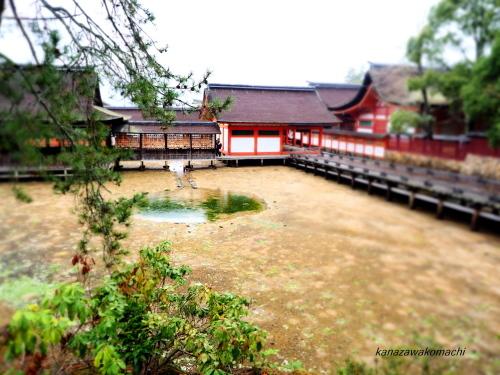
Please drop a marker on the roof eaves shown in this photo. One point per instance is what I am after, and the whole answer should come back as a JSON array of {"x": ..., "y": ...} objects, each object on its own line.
[
  {"x": 252, "y": 87},
  {"x": 339, "y": 86}
]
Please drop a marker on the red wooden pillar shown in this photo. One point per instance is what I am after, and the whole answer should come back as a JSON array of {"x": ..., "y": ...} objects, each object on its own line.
[
  {"x": 255, "y": 138},
  {"x": 282, "y": 133},
  {"x": 301, "y": 139}
]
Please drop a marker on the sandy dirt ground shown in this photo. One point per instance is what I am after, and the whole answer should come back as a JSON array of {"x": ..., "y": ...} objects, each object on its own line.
[{"x": 334, "y": 272}]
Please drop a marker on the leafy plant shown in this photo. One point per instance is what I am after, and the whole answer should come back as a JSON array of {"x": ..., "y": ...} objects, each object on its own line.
[
  {"x": 140, "y": 319},
  {"x": 402, "y": 121}
]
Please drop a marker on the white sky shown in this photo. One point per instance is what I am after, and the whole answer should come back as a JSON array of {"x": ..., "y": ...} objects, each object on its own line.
[{"x": 276, "y": 42}]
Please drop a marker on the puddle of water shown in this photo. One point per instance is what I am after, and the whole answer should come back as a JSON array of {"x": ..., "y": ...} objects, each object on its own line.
[{"x": 197, "y": 206}]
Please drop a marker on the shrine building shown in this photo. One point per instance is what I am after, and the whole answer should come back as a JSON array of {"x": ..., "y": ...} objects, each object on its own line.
[
  {"x": 263, "y": 120},
  {"x": 188, "y": 138}
]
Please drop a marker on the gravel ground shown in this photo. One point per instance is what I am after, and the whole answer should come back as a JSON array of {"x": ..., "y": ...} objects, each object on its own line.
[{"x": 333, "y": 272}]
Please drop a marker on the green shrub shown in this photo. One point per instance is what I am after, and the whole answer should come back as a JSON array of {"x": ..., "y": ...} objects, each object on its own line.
[{"x": 140, "y": 319}]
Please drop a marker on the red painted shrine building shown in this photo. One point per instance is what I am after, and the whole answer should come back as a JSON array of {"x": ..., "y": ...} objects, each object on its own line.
[
  {"x": 384, "y": 91},
  {"x": 365, "y": 128},
  {"x": 265, "y": 119}
]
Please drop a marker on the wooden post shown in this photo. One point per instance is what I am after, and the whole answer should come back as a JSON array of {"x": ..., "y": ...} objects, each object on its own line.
[
  {"x": 353, "y": 181},
  {"x": 140, "y": 147},
  {"x": 411, "y": 199},
  {"x": 190, "y": 147},
  {"x": 339, "y": 178},
  {"x": 237, "y": 163},
  {"x": 474, "y": 222},
  {"x": 388, "y": 194},
  {"x": 440, "y": 207},
  {"x": 369, "y": 186},
  {"x": 116, "y": 167},
  {"x": 326, "y": 173},
  {"x": 261, "y": 162},
  {"x": 315, "y": 169}
]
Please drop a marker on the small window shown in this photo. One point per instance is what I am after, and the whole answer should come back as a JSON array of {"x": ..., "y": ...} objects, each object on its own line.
[
  {"x": 269, "y": 132},
  {"x": 242, "y": 132},
  {"x": 366, "y": 123}
]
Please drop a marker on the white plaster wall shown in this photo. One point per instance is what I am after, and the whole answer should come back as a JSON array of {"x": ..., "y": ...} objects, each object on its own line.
[
  {"x": 242, "y": 144},
  {"x": 379, "y": 151},
  {"x": 268, "y": 144}
]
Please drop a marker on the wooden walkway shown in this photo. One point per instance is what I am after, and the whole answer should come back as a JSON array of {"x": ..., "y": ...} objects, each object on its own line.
[
  {"x": 476, "y": 196},
  {"x": 18, "y": 173}
]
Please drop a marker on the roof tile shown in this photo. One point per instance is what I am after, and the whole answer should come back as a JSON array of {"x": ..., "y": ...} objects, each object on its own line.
[{"x": 272, "y": 105}]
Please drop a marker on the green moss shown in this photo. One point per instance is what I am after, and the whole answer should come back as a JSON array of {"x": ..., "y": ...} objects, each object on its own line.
[
  {"x": 229, "y": 204},
  {"x": 210, "y": 209},
  {"x": 162, "y": 204}
]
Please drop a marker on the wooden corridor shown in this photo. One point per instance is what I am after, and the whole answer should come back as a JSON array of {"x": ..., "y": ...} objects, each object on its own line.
[{"x": 477, "y": 196}]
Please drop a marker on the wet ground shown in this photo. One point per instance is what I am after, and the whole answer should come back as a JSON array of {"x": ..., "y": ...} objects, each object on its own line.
[{"x": 334, "y": 272}]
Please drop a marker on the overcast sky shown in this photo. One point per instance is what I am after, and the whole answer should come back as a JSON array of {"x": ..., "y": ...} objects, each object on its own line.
[{"x": 277, "y": 42}]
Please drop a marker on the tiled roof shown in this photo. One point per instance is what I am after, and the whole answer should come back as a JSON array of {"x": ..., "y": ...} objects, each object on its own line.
[
  {"x": 272, "y": 105},
  {"x": 152, "y": 127},
  {"x": 333, "y": 97},
  {"x": 73, "y": 81},
  {"x": 331, "y": 85},
  {"x": 391, "y": 84},
  {"x": 136, "y": 114}
]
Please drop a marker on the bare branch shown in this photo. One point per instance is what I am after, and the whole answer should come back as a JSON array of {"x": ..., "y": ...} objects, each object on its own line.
[
  {"x": 37, "y": 18},
  {"x": 26, "y": 36}
]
